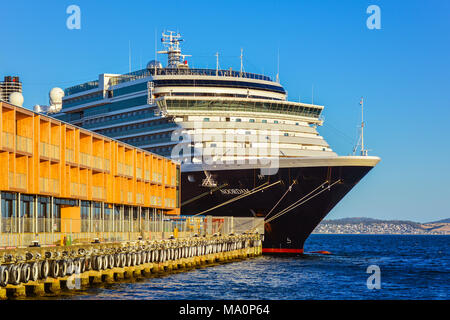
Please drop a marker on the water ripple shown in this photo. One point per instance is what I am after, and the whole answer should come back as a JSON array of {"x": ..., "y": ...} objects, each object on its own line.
[{"x": 412, "y": 267}]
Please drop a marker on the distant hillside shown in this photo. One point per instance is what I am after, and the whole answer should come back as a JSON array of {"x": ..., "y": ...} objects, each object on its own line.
[
  {"x": 362, "y": 225},
  {"x": 369, "y": 221},
  {"x": 441, "y": 221}
]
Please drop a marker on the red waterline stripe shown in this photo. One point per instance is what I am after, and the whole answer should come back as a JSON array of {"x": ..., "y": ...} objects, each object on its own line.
[{"x": 280, "y": 250}]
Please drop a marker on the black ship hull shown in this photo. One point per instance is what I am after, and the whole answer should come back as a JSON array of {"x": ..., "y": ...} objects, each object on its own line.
[{"x": 287, "y": 233}]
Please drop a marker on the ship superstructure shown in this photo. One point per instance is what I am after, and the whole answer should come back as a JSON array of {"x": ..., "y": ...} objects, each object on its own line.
[
  {"x": 144, "y": 107},
  {"x": 226, "y": 127}
]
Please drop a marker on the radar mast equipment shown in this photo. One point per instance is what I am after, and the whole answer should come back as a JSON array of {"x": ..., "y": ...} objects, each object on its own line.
[
  {"x": 55, "y": 98},
  {"x": 171, "y": 41}
]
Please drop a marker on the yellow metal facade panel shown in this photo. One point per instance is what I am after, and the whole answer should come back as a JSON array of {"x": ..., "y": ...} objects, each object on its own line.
[
  {"x": 70, "y": 219},
  {"x": 44, "y": 156}
]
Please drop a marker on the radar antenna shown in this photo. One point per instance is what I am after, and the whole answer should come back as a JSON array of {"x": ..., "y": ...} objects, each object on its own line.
[{"x": 171, "y": 41}]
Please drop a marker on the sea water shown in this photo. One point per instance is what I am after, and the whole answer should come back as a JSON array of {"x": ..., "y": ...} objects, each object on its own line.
[{"x": 410, "y": 267}]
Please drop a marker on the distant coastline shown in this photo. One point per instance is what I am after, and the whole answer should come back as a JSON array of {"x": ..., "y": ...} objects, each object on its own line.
[{"x": 375, "y": 226}]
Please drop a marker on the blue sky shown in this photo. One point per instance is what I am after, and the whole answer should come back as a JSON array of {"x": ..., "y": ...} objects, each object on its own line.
[{"x": 401, "y": 70}]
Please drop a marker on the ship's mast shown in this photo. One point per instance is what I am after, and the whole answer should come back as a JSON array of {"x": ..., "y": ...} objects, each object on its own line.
[
  {"x": 217, "y": 63},
  {"x": 171, "y": 41},
  {"x": 363, "y": 150},
  {"x": 362, "y": 127},
  {"x": 360, "y": 143},
  {"x": 278, "y": 66},
  {"x": 242, "y": 64}
]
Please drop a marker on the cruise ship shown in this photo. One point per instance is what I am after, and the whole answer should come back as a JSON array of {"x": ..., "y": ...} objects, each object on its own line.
[{"x": 245, "y": 149}]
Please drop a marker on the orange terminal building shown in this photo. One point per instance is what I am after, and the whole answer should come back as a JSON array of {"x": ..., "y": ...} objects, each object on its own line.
[{"x": 58, "y": 179}]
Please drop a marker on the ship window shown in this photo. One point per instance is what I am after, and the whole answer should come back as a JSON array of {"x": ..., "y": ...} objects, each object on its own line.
[
  {"x": 248, "y": 132},
  {"x": 286, "y": 134},
  {"x": 238, "y": 120},
  {"x": 251, "y": 120},
  {"x": 276, "y": 121},
  {"x": 296, "y": 123},
  {"x": 264, "y": 121},
  {"x": 227, "y": 119},
  {"x": 206, "y": 119},
  {"x": 213, "y": 145}
]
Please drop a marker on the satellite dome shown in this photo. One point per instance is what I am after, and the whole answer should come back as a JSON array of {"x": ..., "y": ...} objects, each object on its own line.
[
  {"x": 16, "y": 98},
  {"x": 56, "y": 95},
  {"x": 154, "y": 63}
]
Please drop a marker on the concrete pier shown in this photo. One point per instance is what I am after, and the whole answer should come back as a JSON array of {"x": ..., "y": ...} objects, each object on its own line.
[{"x": 224, "y": 250}]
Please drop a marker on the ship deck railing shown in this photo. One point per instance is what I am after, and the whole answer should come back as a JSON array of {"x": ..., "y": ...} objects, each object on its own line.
[{"x": 139, "y": 74}]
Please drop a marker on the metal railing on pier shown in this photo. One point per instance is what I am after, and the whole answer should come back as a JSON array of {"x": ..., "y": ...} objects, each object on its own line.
[{"x": 16, "y": 232}]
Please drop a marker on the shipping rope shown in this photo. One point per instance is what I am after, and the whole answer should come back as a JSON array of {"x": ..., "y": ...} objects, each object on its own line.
[
  {"x": 246, "y": 194},
  {"x": 204, "y": 194},
  {"x": 300, "y": 202},
  {"x": 296, "y": 204}
]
